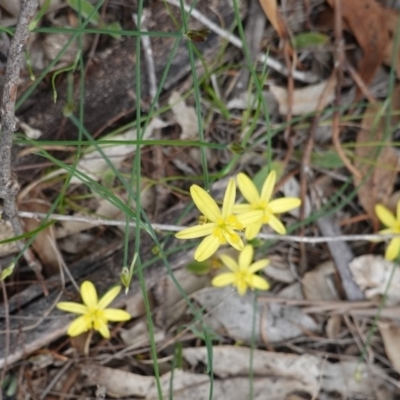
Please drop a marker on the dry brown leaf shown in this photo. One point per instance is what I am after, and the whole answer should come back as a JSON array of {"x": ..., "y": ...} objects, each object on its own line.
[
  {"x": 347, "y": 378},
  {"x": 373, "y": 273},
  {"x": 305, "y": 100},
  {"x": 366, "y": 20},
  {"x": 270, "y": 8},
  {"x": 44, "y": 244},
  {"x": 378, "y": 167},
  {"x": 232, "y": 315},
  {"x": 318, "y": 283},
  {"x": 390, "y": 332},
  {"x": 392, "y": 19}
]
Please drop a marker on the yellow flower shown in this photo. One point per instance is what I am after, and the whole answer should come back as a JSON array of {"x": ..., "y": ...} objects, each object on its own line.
[
  {"x": 393, "y": 226},
  {"x": 95, "y": 315},
  {"x": 221, "y": 226},
  {"x": 264, "y": 203},
  {"x": 243, "y": 272}
]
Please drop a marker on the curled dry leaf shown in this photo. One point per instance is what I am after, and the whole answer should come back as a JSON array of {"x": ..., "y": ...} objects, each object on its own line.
[
  {"x": 377, "y": 165},
  {"x": 270, "y": 8},
  {"x": 372, "y": 274}
]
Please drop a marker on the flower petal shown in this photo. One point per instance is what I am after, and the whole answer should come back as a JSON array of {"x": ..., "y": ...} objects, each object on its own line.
[
  {"x": 89, "y": 294},
  {"x": 103, "y": 329},
  {"x": 242, "y": 287},
  {"x": 242, "y": 208},
  {"x": 237, "y": 243},
  {"x": 258, "y": 265},
  {"x": 205, "y": 203},
  {"x": 398, "y": 211},
  {"x": 229, "y": 262},
  {"x": 229, "y": 199},
  {"x": 78, "y": 326},
  {"x": 196, "y": 231},
  {"x": 253, "y": 230},
  {"x": 207, "y": 248},
  {"x": 393, "y": 250},
  {"x": 276, "y": 225},
  {"x": 284, "y": 204},
  {"x": 385, "y": 216},
  {"x": 247, "y": 188},
  {"x": 109, "y": 297},
  {"x": 257, "y": 282},
  {"x": 115, "y": 315},
  {"x": 250, "y": 217},
  {"x": 224, "y": 279},
  {"x": 75, "y": 308},
  {"x": 268, "y": 186},
  {"x": 246, "y": 257}
]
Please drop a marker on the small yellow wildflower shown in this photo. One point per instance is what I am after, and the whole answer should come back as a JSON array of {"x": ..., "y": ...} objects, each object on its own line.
[
  {"x": 264, "y": 203},
  {"x": 95, "y": 315},
  {"x": 393, "y": 226},
  {"x": 221, "y": 226},
  {"x": 243, "y": 273}
]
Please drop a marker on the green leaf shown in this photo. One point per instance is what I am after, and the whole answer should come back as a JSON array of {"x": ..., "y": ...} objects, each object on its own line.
[
  {"x": 326, "y": 159},
  {"x": 199, "y": 268},
  {"x": 261, "y": 175},
  {"x": 309, "y": 39},
  {"x": 7, "y": 271},
  {"x": 116, "y": 27},
  {"x": 86, "y": 9}
]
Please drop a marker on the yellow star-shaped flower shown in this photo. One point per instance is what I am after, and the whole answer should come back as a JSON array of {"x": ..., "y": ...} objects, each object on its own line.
[
  {"x": 263, "y": 203},
  {"x": 243, "y": 273},
  {"x": 95, "y": 315},
  {"x": 221, "y": 226},
  {"x": 393, "y": 226}
]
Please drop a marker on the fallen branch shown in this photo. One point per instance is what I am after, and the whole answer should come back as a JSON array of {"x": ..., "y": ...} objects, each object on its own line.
[{"x": 9, "y": 186}]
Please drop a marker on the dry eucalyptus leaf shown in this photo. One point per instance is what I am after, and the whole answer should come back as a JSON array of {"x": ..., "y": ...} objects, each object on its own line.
[
  {"x": 366, "y": 20},
  {"x": 305, "y": 100},
  {"x": 185, "y": 116},
  {"x": 377, "y": 164},
  {"x": 234, "y": 315},
  {"x": 315, "y": 374},
  {"x": 44, "y": 244},
  {"x": 119, "y": 383},
  {"x": 318, "y": 284},
  {"x": 390, "y": 332},
  {"x": 372, "y": 274}
]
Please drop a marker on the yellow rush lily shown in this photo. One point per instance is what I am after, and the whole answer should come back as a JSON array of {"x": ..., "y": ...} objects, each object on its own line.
[
  {"x": 95, "y": 315},
  {"x": 243, "y": 273},
  {"x": 264, "y": 203},
  {"x": 393, "y": 226},
  {"x": 221, "y": 226}
]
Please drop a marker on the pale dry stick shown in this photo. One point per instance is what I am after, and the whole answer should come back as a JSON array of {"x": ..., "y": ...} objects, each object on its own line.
[
  {"x": 234, "y": 40},
  {"x": 9, "y": 186},
  {"x": 339, "y": 64},
  {"x": 148, "y": 53},
  {"x": 360, "y": 83},
  {"x": 177, "y": 228}
]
